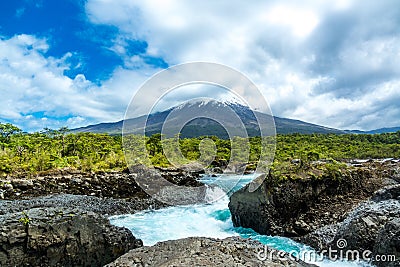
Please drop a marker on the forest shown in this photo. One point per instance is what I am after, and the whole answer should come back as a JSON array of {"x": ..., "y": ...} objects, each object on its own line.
[{"x": 32, "y": 153}]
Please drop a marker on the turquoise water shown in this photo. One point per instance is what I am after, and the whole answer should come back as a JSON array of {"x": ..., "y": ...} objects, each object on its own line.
[{"x": 207, "y": 220}]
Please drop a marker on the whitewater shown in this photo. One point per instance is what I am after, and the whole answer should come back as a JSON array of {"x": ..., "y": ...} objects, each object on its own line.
[{"x": 209, "y": 220}]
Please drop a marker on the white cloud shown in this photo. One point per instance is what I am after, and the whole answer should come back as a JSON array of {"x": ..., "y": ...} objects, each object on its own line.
[
  {"x": 318, "y": 61},
  {"x": 332, "y": 63},
  {"x": 31, "y": 83},
  {"x": 300, "y": 22}
]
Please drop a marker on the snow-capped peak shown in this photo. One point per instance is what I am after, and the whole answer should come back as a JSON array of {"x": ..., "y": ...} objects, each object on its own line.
[{"x": 204, "y": 101}]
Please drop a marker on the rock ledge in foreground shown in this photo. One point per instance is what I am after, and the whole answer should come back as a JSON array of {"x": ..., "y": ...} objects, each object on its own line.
[
  {"x": 61, "y": 237},
  {"x": 201, "y": 251}
]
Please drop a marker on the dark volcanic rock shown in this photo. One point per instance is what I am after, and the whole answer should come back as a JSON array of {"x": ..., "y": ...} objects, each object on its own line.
[
  {"x": 167, "y": 191},
  {"x": 319, "y": 238},
  {"x": 118, "y": 185},
  {"x": 50, "y": 220},
  {"x": 104, "y": 206},
  {"x": 61, "y": 237},
  {"x": 360, "y": 229},
  {"x": 389, "y": 192},
  {"x": 200, "y": 251},
  {"x": 101, "y": 184},
  {"x": 388, "y": 243},
  {"x": 112, "y": 184},
  {"x": 374, "y": 226},
  {"x": 182, "y": 178},
  {"x": 297, "y": 207}
]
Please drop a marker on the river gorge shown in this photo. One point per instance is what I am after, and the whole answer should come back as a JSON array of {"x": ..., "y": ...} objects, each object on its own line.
[
  {"x": 210, "y": 220},
  {"x": 68, "y": 218}
]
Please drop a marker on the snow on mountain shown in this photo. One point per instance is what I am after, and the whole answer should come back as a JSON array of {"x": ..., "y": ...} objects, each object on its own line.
[{"x": 203, "y": 111}]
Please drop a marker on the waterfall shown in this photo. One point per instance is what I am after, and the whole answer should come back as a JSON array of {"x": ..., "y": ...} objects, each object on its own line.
[{"x": 215, "y": 193}]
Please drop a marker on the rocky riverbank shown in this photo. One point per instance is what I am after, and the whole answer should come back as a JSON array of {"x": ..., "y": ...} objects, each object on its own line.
[
  {"x": 61, "y": 237},
  {"x": 372, "y": 226},
  {"x": 65, "y": 230},
  {"x": 100, "y": 184},
  {"x": 200, "y": 251},
  {"x": 60, "y": 218},
  {"x": 294, "y": 208},
  {"x": 102, "y": 206},
  {"x": 362, "y": 208}
]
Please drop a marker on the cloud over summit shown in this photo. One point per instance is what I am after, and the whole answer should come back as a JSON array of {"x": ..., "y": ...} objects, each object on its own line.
[{"x": 333, "y": 63}]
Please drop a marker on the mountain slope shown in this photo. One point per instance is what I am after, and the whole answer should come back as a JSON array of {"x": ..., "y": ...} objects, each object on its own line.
[
  {"x": 203, "y": 111},
  {"x": 384, "y": 130}
]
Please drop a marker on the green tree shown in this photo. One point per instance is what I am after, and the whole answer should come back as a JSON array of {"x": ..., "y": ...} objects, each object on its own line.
[
  {"x": 6, "y": 131},
  {"x": 154, "y": 145}
]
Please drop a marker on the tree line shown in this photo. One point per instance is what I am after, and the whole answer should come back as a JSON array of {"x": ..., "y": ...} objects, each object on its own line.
[{"x": 49, "y": 149}]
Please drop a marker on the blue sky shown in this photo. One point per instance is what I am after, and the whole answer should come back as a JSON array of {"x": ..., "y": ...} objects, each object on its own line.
[
  {"x": 75, "y": 62},
  {"x": 66, "y": 29}
]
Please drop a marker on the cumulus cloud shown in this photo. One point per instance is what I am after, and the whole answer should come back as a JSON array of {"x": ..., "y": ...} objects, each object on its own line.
[
  {"x": 35, "y": 93},
  {"x": 333, "y": 63},
  {"x": 327, "y": 62}
]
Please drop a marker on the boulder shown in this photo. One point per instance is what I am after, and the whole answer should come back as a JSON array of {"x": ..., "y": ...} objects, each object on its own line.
[
  {"x": 200, "y": 251},
  {"x": 387, "y": 245},
  {"x": 373, "y": 226},
  {"x": 362, "y": 226},
  {"x": 61, "y": 237}
]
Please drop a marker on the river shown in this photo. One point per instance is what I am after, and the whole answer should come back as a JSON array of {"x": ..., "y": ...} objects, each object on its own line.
[{"x": 209, "y": 220}]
